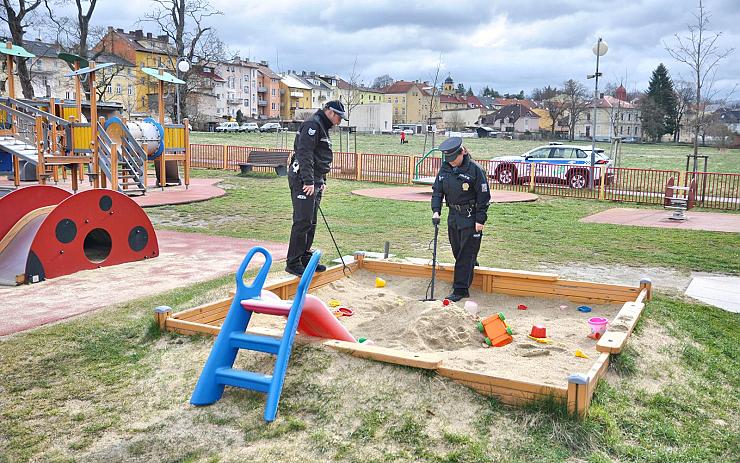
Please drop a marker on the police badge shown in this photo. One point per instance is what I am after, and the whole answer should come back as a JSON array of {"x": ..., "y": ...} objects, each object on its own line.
[{"x": 465, "y": 186}]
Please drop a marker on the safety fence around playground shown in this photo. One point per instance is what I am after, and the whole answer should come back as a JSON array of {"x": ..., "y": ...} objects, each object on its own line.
[{"x": 646, "y": 186}]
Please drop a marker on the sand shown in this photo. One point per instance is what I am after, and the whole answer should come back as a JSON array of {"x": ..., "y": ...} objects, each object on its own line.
[{"x": 394, "y": 317}]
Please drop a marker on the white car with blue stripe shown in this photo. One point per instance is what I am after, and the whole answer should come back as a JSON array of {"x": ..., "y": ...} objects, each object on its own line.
[{"x": 554, "y": 163}]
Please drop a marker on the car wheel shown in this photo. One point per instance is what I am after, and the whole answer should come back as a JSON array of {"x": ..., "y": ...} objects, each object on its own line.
[
  {"x": 506, "y": 175},
  {"x": 578, "y": 179}
]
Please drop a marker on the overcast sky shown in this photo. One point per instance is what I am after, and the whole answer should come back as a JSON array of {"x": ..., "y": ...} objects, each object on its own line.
[{"x": 512, "y": 46}]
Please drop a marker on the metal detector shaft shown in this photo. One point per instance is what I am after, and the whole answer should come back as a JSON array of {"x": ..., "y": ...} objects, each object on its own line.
[
  {"x": 434, "y": 259},
  {"x": 344, "y": 266}
]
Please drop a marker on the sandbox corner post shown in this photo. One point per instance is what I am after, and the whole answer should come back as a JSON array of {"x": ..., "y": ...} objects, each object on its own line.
[
  {"x": 359, "y": 258},
  {"x": 647, "y": 284},
  {"x": 161, "y": 314},
  {"x": 577, "y": 397}
]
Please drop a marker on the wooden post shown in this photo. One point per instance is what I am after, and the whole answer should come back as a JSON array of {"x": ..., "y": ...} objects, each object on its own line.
[
  {"x": 358, "y": 166},
  {"x": 78, "y": 91},
  {"x": 114, "y": 166},
  {"x": 94, "y": 127},
  {"x": 602, "y": 182},
  {"x": 647, "y": 283},
  {"x": 9, "y": 69},
  {"x": 359, "y": 258},
  {"x": 411, "y": 169},
  {"x": 225, "y": 158},
  {"x": 160, "y": 98},
  {"x": 161, "y": 314},
  {"x": 16, "y": 172},
  {"x": 532, "y": 171},
  {"x": 186, "y": 142}
]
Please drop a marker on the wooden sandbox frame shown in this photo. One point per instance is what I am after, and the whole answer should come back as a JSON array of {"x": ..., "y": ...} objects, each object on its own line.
[{"x": 206, "y": 319}]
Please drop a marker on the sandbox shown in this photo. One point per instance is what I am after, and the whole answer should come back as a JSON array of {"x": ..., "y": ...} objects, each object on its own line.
[{"x": 425, "y": 334}]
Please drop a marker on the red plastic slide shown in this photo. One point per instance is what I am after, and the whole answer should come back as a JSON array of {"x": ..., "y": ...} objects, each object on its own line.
[{"x": 317, "y": 319}]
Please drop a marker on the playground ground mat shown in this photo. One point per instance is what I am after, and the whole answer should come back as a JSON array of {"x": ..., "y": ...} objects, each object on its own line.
[
  {"x": 707, "y": 221},
  {"x": 575, "y": 394}
]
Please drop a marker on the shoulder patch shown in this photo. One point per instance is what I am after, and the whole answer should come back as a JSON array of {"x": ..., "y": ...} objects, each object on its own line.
[
  {"x": 311, "y": 132},
  {"x": 484, "y": 187}
]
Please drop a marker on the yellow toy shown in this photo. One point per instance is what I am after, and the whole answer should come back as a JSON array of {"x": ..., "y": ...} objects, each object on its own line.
[
  {"x": 379, "y": 282},
  {"x": 581, "y": 354}
]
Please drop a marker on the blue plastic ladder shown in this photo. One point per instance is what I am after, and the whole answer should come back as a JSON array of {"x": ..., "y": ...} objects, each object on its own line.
[{"x": 218, "y": 370}]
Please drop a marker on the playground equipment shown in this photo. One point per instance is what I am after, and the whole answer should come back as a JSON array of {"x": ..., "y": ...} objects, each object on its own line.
[
  {"x": 48, "y": 232},
  {"x": 218, "y": 371},
  {"x": 598, "y": 327},
  {"x": 496, "y": 330},
  {"x": 42, "y": 136},
  {"x": 679, "y": 204}
]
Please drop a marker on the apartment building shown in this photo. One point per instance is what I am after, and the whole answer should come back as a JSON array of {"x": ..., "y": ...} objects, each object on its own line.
[{"x": 412, "y": 102}]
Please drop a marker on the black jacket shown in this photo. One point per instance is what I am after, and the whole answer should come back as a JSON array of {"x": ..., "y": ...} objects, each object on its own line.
[
  {"x": 312, "y": 148},
  {"x": 465, "y": 190}
]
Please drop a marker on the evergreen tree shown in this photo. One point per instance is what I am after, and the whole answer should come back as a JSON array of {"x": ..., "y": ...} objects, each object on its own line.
[
  {"x": 653, "y": 119},
  {"x": 520, "y": 95},
  {"x": 660, "y": 92},
  {"x": 239, "y": 116},
  {"x": 461, "y": 89},
  {"x": 470, "y": 91}
]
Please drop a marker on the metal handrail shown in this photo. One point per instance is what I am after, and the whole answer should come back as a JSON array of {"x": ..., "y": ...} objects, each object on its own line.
[{"x": 416, "y": 166}]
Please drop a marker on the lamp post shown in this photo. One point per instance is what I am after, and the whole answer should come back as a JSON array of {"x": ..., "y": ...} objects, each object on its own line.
[
  {"x": 600, "y": 49},
  {"x": 183, "y": 65}
]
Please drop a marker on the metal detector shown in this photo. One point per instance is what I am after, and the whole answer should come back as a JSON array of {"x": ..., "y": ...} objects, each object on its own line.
[
  {"x": 344, "y": 266},
  {"x": 435, "y": 221}
]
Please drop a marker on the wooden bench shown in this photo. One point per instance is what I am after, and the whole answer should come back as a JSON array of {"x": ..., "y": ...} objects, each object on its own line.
[{"x": 276, "y": 159}]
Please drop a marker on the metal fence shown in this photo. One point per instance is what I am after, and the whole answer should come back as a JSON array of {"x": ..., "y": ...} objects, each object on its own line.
[{"x": 646, "y": 186}]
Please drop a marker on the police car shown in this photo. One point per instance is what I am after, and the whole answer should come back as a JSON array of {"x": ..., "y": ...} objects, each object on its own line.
[{"x": 554, "y": 163}]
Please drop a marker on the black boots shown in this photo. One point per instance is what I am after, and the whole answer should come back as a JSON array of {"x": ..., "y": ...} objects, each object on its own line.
[
  {"x": 458, "y": 295},
  {"x": 296, "y": 270},
  {"x": 307, "y": 257}
]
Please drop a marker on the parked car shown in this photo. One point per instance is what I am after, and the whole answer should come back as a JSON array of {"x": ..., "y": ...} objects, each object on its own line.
[
  {"x": 228, "y": 127},
  {"x": 553, "y": 163},
  {"x": 249, "y": 127},
  {"x": 271, "y": 127}
]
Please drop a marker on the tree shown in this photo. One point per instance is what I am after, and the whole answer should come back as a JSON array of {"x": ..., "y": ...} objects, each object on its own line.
[
  {"x": 574, "y": 98},
  {"x": 460, "y": 89},
  {"x": 183, "y": 21},
  {"x": 455, "y": 121},
  {"x": 18, "y": 20},
  {"x": 555, "y": 109},
  {"x": 520, "y": 95},
  {"x": 490, "y": 92},
  {"x": 544, "y": 93},
  {"x": 660, "y": 91},
  {"x": 653, "y": 118},
  {"x": 382, "y": 81},
  {"x": 470, "y": 92},
  {"x": 700, "y": 51},
  {"x": 239, "y": 116}
]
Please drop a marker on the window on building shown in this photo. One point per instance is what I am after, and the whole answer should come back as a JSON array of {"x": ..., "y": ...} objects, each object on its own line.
[
  {"x": 273, "y": 92},
  {"x": 588, "y": 117},
  {"x": 109, "y": 88},
  {"x": 629, "y": 117},
  {"x": 130, "y": 90},
  {"x": 273, "y": 106},
  {"x": 118, "y": 89}
]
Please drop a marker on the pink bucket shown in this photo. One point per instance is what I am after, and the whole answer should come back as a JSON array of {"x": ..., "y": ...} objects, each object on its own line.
[{"x": 598, "y": 325}]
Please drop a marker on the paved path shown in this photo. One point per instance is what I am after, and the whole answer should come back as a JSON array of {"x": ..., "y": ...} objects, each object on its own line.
[
  {"x": 719, "y": 291},
  {"x": 185, "y": 258},
  {"x": 708, "y": 221},
  {"x": 415, "y": 193},
  {"x": 201, "y": 189}
]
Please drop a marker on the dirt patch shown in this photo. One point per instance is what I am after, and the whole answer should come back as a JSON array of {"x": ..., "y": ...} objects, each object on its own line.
[{"x": 394, "y": 317}]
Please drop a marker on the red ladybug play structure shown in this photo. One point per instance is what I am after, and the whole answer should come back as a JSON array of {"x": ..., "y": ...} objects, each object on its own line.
[
  {"x": 46, "y": 232},
  {"x": 496, "y": 330}
]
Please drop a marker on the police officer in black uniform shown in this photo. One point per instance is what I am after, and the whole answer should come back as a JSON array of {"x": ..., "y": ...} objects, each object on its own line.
[
  {"x": 464, "y": 186},
  {"x": 311, "y": 161}
]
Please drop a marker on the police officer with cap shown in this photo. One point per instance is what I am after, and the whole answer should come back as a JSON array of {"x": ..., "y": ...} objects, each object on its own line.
[
  {"x": 464, "y": 186},
  {"x": 311, "y": 161}
]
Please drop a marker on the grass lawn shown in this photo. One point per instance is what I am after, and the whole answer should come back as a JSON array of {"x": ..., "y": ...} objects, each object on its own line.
[
  {"x": 109, "y": 387},
  {"x": 666, "y": 156}
]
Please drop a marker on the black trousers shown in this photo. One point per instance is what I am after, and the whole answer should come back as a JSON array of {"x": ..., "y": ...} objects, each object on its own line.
[
  {"x": 305, "y": 210},
  {"x": 465, "y": 246}
]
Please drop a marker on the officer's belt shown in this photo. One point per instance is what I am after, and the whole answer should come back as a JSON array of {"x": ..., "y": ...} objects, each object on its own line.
[{"x": 462, "y": 207}]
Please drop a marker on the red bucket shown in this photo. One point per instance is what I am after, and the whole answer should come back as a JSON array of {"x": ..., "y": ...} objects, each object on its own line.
[{"x": 538, "y": 331}]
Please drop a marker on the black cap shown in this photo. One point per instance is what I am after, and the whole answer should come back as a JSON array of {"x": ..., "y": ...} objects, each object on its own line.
[
  {"x": 337, "y": 107},
  {"x": 450, "y": 148}
]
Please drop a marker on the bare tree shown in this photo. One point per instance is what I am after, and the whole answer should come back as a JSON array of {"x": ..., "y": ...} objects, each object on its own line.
[
  {"x": 18, "y": 19},
  {"x": 574, "y": 97},
  {"x": 700, "y": 51},
  {"x": 555, "y": 110},
  {"x": 684, "y": 96},
  {"x": 184, "y": 22},
  {"x": 431, "y": 105},
  {"x": 456, "y": 121},
  {"x": 382, "y": 81}
]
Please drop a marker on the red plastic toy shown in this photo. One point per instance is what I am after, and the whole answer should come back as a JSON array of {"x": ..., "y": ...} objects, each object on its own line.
[{"x": 496, "y": 330}]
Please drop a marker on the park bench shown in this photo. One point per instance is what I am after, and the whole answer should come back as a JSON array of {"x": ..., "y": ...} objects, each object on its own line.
[
  {"x": 275, "y": 159},
  {"x": 679, "y": 204}
]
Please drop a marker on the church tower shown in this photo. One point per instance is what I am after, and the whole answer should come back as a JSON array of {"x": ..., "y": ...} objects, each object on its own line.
[{"x": 448, "y": 88}]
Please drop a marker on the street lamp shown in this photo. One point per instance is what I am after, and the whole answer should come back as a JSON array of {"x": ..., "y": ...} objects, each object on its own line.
[
  {"x": 183, "y": 65},
  {"x": 600, "y": 49}
]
